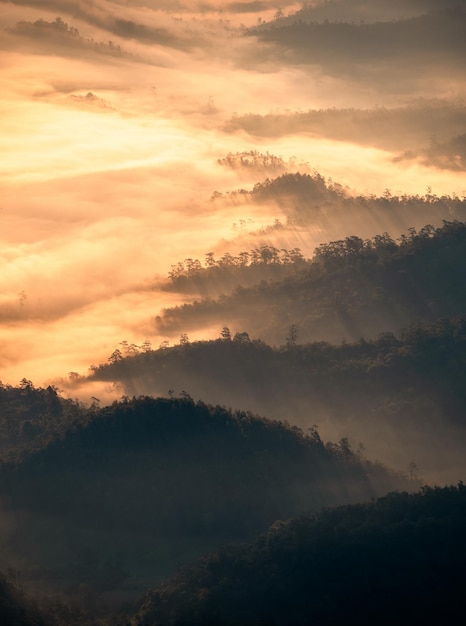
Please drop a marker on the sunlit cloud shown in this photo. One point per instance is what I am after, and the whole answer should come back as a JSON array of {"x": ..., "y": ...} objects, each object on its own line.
[{"x": 110, "y": 157}]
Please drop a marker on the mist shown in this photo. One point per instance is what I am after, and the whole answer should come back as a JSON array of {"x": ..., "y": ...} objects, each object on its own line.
[{"x": 114, "y": 118}]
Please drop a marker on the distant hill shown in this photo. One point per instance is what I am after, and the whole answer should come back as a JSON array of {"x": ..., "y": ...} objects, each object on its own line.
[
  {"x": 398, "y": 560},
  {"x": 359, "y": 10},
  {"x": 311, "y": 199},
  {"x": 347, "y": 48},
  {"x": 220, "y": 276},
  {"x": 353, "y": 288},
  {"x": 140, "y": 487},
  {"x": 403, "y": 396}
]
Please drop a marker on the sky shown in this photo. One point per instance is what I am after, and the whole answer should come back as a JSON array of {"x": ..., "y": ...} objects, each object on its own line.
[{"x": 114, "y": 116}]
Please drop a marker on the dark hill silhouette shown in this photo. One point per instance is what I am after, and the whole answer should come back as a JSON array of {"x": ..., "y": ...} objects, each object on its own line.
[
  {"x": 312, "y": 207},
  {"x": 403, "y": 396},
  {"x": 350, "y": 48},
  {"x": 144, "y": 485},
  {"x": 353, "y": 288},
  {"x": 398, "y": 560},
  {"x": 357, "y": 10}
]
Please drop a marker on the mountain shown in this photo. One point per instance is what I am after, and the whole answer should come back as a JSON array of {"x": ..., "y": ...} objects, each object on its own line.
[
  {"x": 399, "y": 559},
  {"x": 354, "y": 288},
  {"x": 135, "y": 489},
  {"x": 403, "y": 396}
]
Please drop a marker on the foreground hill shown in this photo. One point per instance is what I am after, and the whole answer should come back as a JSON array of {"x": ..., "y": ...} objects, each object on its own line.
[
  {"x": 398, "y": 560},
  {"x": 142, "y": 486}
]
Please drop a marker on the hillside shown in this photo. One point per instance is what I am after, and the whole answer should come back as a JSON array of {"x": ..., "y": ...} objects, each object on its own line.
[
  {"x": 349, "y": 48},
  {"x": 399, "y": 559},
  {"x": 145, "y": 485},
  {"x": 311, "y": 201},
  {"x": 403, "y": 396},
  {"x": 353, "y": 288}
]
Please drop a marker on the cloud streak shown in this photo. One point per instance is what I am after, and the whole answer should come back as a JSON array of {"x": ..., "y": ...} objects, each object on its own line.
[{"x": 58, "y": 37}]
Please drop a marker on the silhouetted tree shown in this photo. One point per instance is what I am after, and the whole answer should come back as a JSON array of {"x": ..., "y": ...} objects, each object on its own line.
[
  {"x": 225, "y": 334},
  {"x": 292, "y": 336},
  {"x": 184, "y": 339}
]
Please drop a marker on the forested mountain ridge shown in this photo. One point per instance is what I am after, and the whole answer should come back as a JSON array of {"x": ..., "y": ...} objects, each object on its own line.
[
  {"x": 144, "y": 485},
  {"x": 336, "y": 45},
  {"x": 353, "y": 288},
  {"x": 403, "y": 395},
  {"x": 356, "y": 10},
  {"x": 217, "y": 276},
  {"x": 311, "y": 198},
  {"x": 399, "y": 559}
]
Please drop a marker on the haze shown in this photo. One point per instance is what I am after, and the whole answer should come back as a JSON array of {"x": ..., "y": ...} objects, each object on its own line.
[{"x": 114, "y": 115}]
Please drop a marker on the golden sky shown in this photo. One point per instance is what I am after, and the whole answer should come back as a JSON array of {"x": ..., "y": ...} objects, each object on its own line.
[{"x": 114, "y": 113}]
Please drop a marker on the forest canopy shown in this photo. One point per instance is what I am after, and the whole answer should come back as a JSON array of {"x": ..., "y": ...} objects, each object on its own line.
[{"x": 397, "y": 559}]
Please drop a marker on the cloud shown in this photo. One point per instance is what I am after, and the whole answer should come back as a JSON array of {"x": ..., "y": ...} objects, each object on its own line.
[
  {"x": 247, "y": 7},
  {"x": 143, "y": 26},
  {"x": 393, "y": 55},
  {"x": 91, "y": 100},
  {"x": 361, "y": 10},
  {"x": 392, "y": 129},
  {"x": 449, "y": 155},
  {"x": 58, "y": 37}
]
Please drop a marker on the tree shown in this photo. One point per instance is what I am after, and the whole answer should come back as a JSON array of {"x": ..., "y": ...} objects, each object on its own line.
[
  {"x": 26, "y": 385},
  {"x": 184, "y": 339},
  {"x": 209, "y": 259},
  {"x": 115, "y": 356},
  {"x": 146, "y": 346},
  {"x": 225, "y": 334},
  {"x": 243, "y": 259},
  {"x": 292, "y": 336},
  {"x": 242, "y": 337}
]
